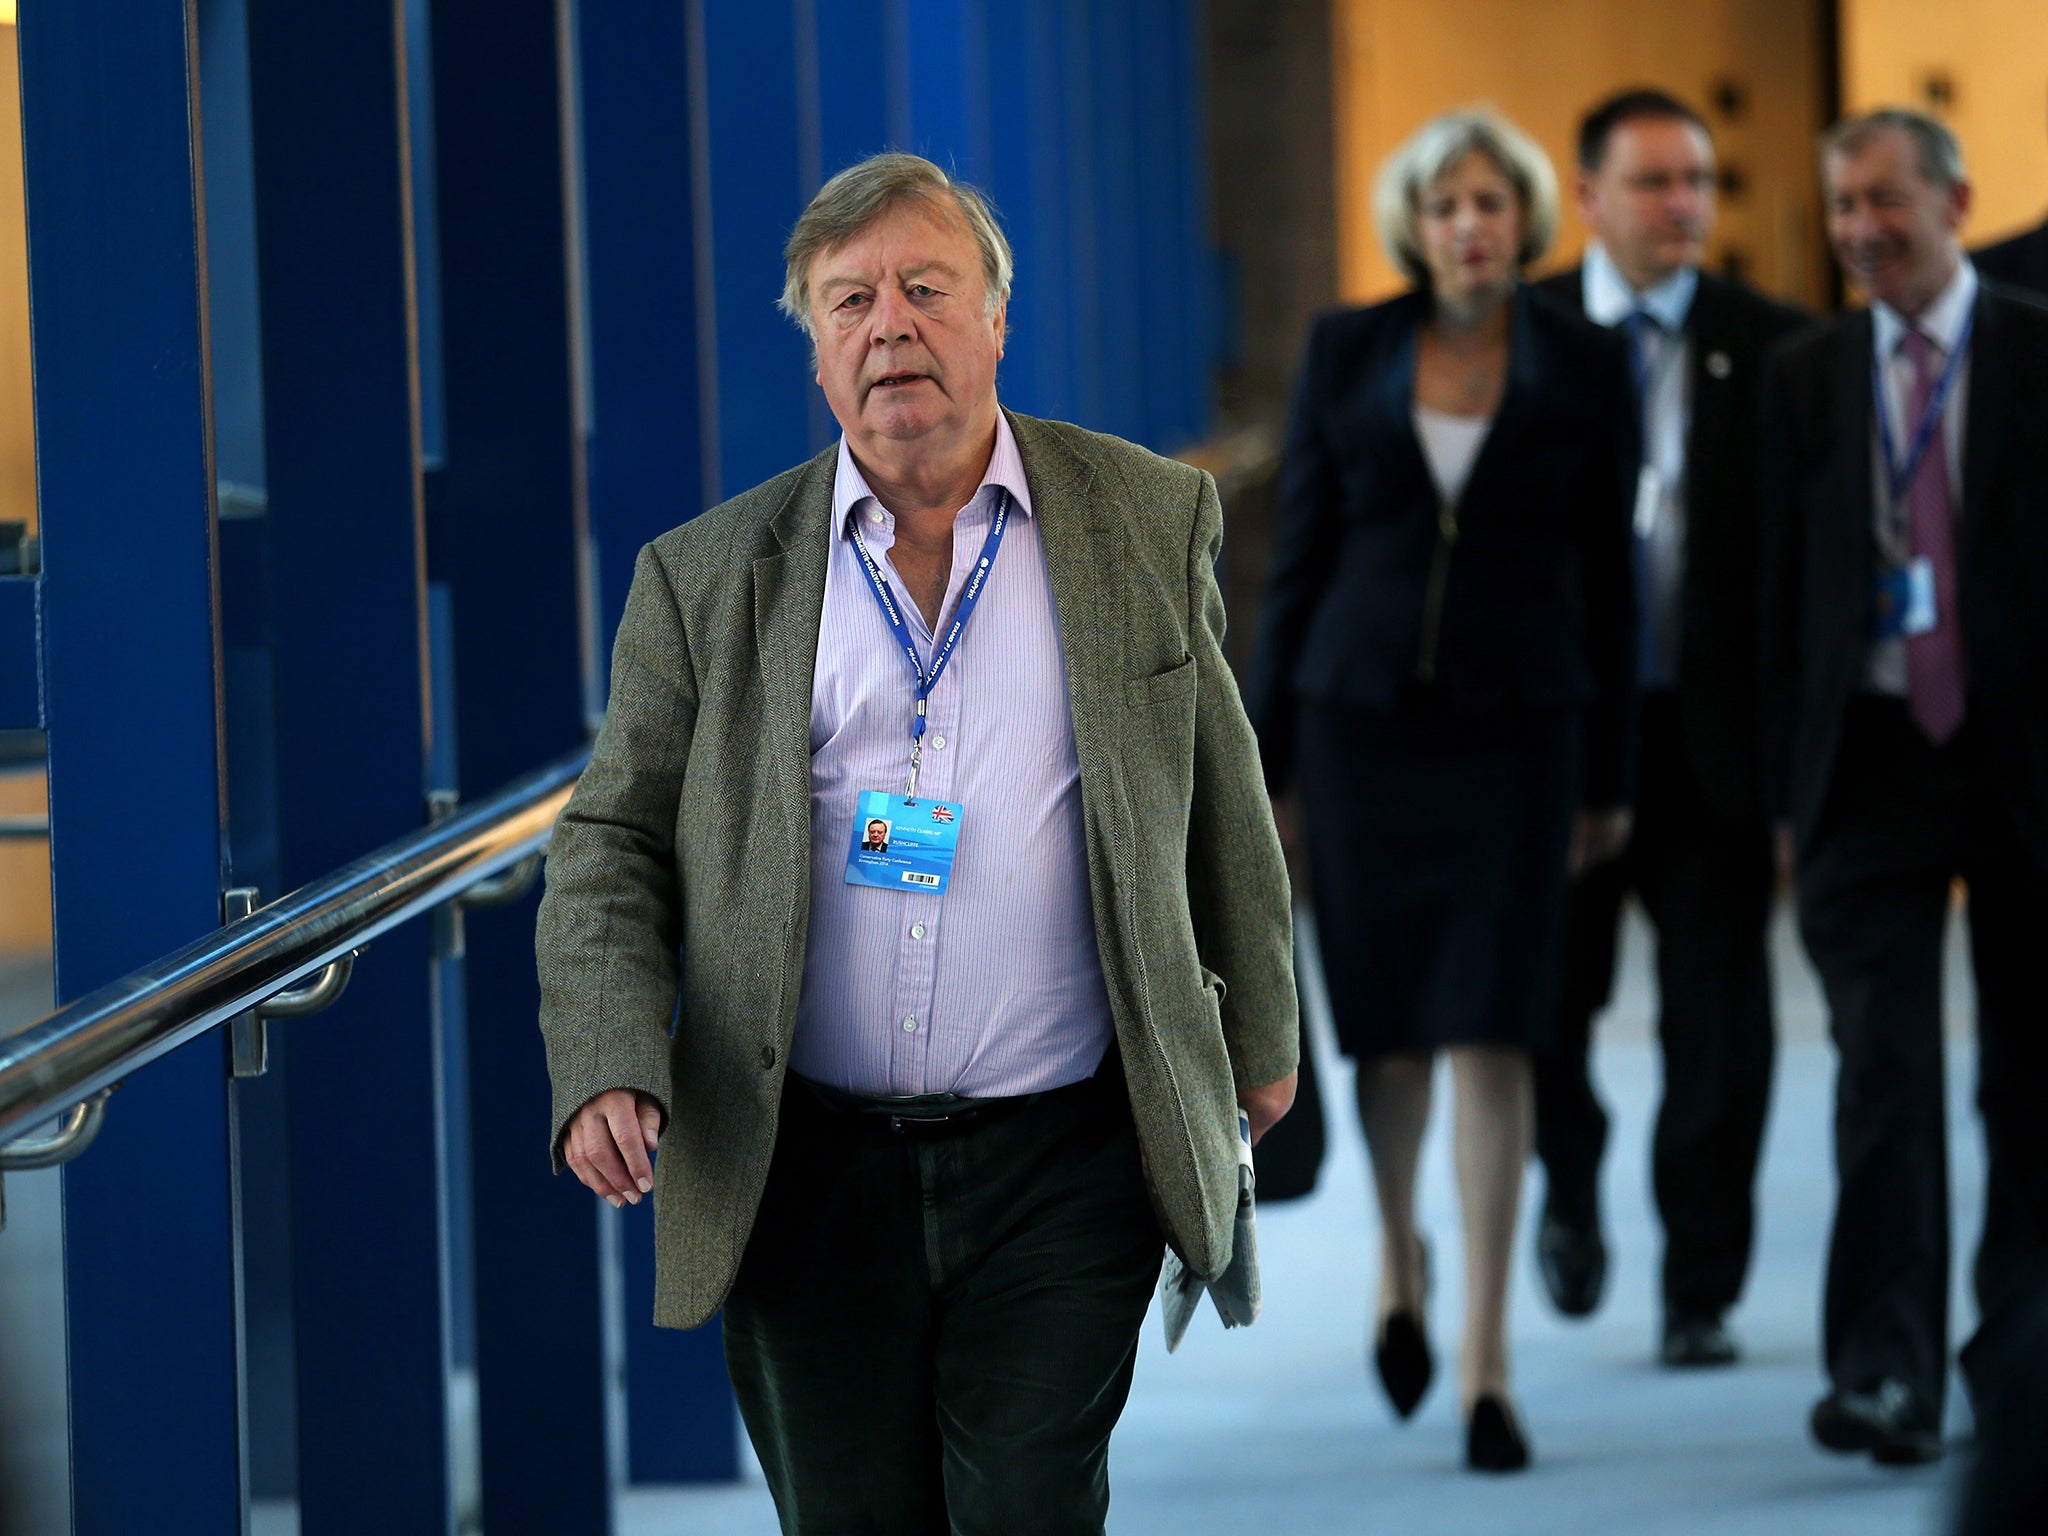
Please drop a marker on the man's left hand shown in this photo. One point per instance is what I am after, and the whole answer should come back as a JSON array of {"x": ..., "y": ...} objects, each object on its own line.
[{"x": 1267, "y": 1104}]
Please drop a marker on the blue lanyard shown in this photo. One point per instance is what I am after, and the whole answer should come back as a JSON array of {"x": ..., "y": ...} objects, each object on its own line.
[
  {"x": 1900, "y": 474},
  {"x": 926, "y": 681}
]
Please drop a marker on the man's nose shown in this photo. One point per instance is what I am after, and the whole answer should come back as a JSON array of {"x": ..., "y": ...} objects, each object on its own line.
[{"x": 889, "y": 320}]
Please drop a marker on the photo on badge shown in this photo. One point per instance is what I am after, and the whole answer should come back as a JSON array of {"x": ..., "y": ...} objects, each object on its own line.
[{"x": 900, "y": 844}]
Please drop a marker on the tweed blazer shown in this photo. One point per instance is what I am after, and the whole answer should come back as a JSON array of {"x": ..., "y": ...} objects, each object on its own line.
[{"x": 671, "y": 935}]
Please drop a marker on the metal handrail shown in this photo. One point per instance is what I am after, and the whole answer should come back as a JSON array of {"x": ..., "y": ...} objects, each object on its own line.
[{"x": 90, "y": 1044}]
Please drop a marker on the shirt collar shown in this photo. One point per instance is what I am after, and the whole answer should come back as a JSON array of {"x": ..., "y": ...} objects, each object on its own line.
[
  {"x": 1609, "y": 297},
  {"x": 851, "y": 491},
  {"x": 1942, "y": 321}
]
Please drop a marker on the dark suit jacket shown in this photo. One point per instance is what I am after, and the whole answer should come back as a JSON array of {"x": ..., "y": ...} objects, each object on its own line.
[
  {"x": 1538, "y": 604},
  {"x": 1731, "y": 328},
  {"x": 1821, "y": 561},
  {"x": 2021, "y": 262}
]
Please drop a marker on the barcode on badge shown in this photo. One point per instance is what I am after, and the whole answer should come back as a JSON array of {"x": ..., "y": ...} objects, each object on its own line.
[{"x": 912, "y": 877}]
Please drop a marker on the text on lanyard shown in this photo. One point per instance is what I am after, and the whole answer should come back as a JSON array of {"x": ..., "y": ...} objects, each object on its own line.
[{"x": 923, "y": 680}]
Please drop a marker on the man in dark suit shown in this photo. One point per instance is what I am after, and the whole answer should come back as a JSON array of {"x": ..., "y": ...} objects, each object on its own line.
[
  {"x": 2020, "y": 262},
  {"x": 1700, "y": 857},
  {"x": 1906, "y": 725}
]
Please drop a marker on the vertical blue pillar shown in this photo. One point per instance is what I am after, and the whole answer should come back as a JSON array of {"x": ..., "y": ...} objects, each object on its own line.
[
  {"x": 645, "y": 471},
  {"x": 950, "y": 103},
  {"x": 863, "y": 75},
  {"x": 1029, "y": 150},
  {"x": 130, "y": 679},
  {"x": 756, "y": 138},
  {"x": 344, "y": 615},
  {"x": 506, "y": 541}
]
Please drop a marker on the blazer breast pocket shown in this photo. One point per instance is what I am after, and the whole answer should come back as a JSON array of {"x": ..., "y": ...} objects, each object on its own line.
[{"x": 1168, "y": 687}]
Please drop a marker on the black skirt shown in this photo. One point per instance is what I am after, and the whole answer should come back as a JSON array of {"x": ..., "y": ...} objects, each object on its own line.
[{"x": 1437, "y": 848}]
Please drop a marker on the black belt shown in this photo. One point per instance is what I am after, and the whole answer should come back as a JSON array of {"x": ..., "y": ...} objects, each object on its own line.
[{"x": 937, "y": 1113}]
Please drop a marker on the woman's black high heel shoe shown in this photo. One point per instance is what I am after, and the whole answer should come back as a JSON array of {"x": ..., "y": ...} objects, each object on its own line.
[
  {"x": 1401, "y": 1354},
  {"x": 1404, "y": 1361},
  {"x": 1493, "y": 1440}
]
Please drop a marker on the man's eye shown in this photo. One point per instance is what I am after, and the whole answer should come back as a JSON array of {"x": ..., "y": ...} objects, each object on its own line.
[
  {"x": 853, "y": 301},
  {"x": 920, "y": 291}
]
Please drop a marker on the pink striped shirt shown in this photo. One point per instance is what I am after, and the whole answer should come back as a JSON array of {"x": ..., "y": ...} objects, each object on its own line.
[{"x": 994, "y": 988}]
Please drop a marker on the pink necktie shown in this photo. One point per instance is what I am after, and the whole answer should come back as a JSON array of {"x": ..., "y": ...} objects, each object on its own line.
[{"x": 1934, "y": 661}]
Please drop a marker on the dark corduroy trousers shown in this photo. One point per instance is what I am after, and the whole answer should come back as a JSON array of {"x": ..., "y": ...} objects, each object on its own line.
[{"x": 933, "y": 1331}]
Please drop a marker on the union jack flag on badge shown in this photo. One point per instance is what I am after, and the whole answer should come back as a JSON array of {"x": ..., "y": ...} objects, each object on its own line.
[{"x": 942, "y": 813}]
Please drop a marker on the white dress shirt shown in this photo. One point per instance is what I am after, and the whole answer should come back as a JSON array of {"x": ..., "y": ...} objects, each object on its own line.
[
  {"x": 1942, "y": 323},
  {"x": 1667, "y": 421}
]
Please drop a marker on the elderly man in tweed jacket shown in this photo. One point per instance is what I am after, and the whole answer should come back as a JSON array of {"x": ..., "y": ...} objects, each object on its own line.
[{"x": 926, "y": 1111}]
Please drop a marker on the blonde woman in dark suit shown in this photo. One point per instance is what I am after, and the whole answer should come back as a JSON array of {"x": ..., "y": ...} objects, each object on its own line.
[{"x": 1444, "y": 681}]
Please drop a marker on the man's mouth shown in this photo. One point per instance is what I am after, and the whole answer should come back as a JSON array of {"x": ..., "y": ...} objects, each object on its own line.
[{"x": 896, "y": 380}]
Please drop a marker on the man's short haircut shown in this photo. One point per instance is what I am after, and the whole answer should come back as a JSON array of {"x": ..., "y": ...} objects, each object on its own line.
[
  {"x": 862, "y": 193},
  {"x": 1644, "y": 103},
  {"x": 1941, "y": 157},
  {"x": 1433, "y": 153}
]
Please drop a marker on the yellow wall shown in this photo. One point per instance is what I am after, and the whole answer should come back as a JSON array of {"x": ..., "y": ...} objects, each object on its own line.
[
  {"x": 24, "y": 869},
  {"x": 1994, "y": 54},
  {"x": 17, "y": 426},
  {"x": 1543, "y": 62}
]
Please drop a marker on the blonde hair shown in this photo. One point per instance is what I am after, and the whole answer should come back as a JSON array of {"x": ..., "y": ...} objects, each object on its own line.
[{"x": 1433, "y": 153}]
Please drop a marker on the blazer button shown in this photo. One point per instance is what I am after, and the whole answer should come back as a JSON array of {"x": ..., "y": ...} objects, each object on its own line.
[{"x": 768, "y": 1058}]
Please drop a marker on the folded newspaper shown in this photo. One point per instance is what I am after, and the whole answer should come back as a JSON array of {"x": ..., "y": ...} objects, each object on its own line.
[{"x": 1236, "y": 1291}]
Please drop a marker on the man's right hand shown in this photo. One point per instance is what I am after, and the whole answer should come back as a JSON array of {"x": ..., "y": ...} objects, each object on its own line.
[{"x": 607, "y": 1143}]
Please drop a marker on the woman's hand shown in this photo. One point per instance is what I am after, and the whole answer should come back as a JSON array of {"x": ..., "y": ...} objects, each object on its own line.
[{"x": 1599, "y": 835}]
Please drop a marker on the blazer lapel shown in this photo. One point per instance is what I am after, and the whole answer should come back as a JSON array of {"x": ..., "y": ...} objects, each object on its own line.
[
  {"x": 1081, "y": 543},
  {"x": 789, "y": 601},
  {"x": 1712, "y": 368}
]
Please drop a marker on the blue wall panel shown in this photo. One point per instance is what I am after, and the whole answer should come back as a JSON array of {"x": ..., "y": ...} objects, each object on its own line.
[
  {"x": 950, "y": 96},
  {"x": 751, "y": 136},
  {"x": 645, "y": 477},
  {"x": 863, "y": 80},
  {"x": 346, "y": 614},
  {"x": 506, "y": 534},
  {"x": 130, "y": 657},
  {"x": 645, "y": 461}
]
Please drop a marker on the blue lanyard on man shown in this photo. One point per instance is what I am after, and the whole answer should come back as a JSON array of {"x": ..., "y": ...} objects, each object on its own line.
[
  {"x": 1899, "y": 472},
  {"x": 925, "y": 681}
]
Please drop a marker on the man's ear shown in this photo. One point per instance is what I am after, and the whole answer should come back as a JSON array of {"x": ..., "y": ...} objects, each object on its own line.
[
  {"x": 1961, "y": 197},
  {"x": 1582, "y": 194}
]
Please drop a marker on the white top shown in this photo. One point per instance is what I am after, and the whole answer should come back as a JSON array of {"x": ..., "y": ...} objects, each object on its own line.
[
  {"x": 1942, "y": 322},
  {"x": 1450, "y": 444},
  {"x": 1667, "y": 420}
]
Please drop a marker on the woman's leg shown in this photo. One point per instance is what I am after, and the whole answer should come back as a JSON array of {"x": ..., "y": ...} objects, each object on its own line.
[
  {"x": 1393, "y": 1106},
  {"x": 1495, "y": 1121}
]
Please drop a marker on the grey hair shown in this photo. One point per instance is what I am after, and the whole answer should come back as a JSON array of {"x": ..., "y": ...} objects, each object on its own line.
[
  {"x": 1433, "y": 153},
  {"x": 862, "y": 193},
  {"x": 1941, "y": 157}
]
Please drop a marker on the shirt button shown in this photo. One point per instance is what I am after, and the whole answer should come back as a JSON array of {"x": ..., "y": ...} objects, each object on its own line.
[
  {"x": 874, "y": 514},
  {"x": 917, "y": 930},
  {"x": 938, "y": 741},
  {"x": 910, "y": 1026}
]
